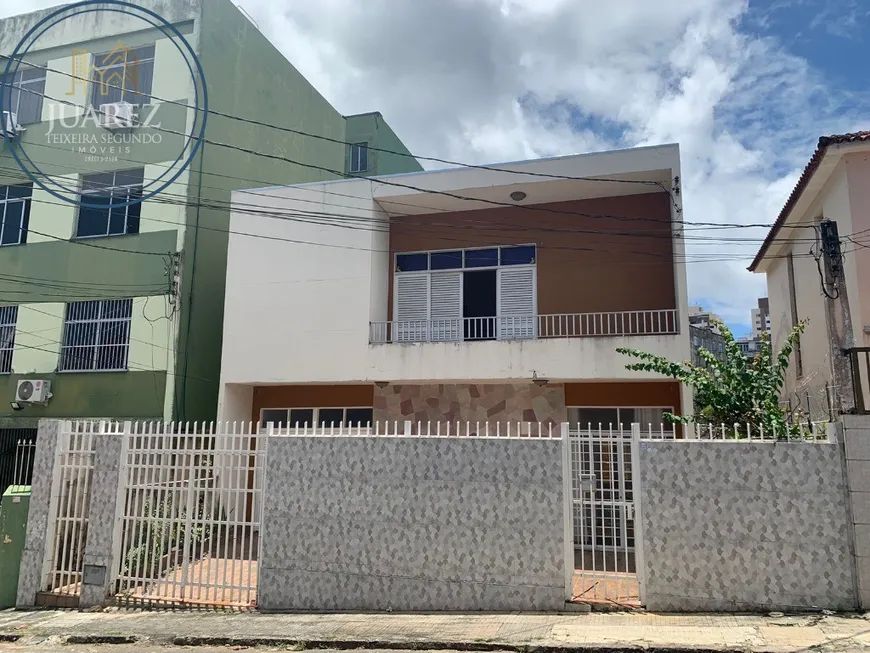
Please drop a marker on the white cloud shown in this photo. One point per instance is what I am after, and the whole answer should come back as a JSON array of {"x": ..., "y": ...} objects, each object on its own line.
[{"x": 496, "y": 80}]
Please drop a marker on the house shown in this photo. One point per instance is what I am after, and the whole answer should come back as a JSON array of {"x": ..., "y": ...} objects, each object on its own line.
[
  {"x": 120, "y": 307},
  {"x": 835, "y": 185},
  {"x": 475, "y": 294}
]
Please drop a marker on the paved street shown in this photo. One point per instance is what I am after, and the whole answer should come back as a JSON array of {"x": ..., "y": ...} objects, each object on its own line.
[{"x": 155, "y": 630}]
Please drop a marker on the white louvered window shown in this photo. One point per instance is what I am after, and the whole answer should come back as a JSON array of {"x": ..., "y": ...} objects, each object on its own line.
[
  {"x": 475, "y": 294},
  {"x": 516, "y": 303},
  {"x": 412, "y": 307},
  {"x": 445, "y": 306}
]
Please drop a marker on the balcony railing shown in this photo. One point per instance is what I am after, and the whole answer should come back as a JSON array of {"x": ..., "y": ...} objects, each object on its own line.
[{"x": 533, "y": 327}]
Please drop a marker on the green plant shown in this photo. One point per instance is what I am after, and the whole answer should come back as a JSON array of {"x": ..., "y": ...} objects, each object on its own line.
[
  {"x": 160, "y": 531},
  {"x": 735, "y": 390}
]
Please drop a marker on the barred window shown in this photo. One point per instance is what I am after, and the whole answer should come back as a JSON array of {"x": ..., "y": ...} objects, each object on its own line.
[
  {"x": 8, "y": 320},
  {"x": 96, "y": 335}
]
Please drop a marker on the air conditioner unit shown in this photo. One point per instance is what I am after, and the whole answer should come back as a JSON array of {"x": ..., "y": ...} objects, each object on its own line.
[
  {"x": 10, "y": 124},
  {"x": 118, "y": 115},
  {"x": 33, "y": 391}
]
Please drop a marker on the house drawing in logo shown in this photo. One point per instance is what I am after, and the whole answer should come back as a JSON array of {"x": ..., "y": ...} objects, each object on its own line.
[{"x": 119, "y": 69}]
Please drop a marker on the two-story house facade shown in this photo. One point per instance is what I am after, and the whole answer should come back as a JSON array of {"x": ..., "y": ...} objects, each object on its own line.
[
  {"x": 833, "y": 186},
  {"x": 115, "y": 300},
  {"x": 477, "y": 294}
]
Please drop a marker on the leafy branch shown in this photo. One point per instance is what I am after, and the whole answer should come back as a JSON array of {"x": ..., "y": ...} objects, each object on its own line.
[{"x": 734, "y": 390}]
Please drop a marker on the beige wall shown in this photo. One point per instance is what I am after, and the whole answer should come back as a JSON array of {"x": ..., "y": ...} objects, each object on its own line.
[{"x": 858, "y": 274}]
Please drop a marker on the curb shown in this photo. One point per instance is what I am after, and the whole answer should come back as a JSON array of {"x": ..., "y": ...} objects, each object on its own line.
[{"x": 418, "y": 645}]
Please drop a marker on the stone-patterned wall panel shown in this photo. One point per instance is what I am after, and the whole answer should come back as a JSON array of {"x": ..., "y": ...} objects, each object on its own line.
[
  {"x": 735, "y": 525},
  {"x": 518, "y": 402},
  {"x": 412, "y": 524}
]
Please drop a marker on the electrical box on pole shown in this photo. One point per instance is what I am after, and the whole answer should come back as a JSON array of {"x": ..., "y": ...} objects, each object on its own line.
[{"x": 839, "y": 320}]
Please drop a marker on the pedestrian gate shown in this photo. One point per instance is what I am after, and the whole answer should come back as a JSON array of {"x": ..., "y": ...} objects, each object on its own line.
[
  {"x": 189, "y": 516},
  {"x": 604, "y": 489}
]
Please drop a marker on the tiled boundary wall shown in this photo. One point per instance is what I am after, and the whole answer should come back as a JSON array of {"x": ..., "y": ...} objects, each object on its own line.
[
  {"x": 734, "y": 525},
  {"x": 413, "y": 524}
]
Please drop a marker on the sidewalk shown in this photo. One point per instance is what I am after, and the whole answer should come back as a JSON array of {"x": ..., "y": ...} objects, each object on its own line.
[{"x": 590, "y": 632}]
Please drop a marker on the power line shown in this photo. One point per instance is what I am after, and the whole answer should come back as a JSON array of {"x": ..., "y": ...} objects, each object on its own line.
[
  {"x": 301, "y": 217},
  {"x": 330, "y": 139},
  {"x": 384, "y": 181}
]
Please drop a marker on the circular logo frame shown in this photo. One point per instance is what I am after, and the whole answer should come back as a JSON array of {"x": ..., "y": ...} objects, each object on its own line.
[{"x": 196, "y": 135}]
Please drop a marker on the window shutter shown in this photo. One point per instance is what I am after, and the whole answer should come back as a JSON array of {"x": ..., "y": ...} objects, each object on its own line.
[
  {"x": 445, "y": 293},
  {"x": 516, "y": 303},
  {"x": 412, "y": 307}
]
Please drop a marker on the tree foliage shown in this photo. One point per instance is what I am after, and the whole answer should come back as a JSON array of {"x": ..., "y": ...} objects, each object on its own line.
[{"x": 736, "y": 390}]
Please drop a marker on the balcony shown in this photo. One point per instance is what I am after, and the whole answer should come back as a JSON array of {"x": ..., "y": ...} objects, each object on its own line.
[{"x": 540, "y": 327}]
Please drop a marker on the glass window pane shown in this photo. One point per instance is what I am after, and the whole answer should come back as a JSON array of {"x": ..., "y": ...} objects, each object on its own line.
[
  {"x": 143, "y": 53},
  {"x": 138, "y": 82},
  {"x": 446, "y": 260},
  {"x": 30, "y": 105},
  {"x": 302, "y": 417},
  {"x": 412, "y": 262},
  {"x": 117, "y": 221},
  {"x": 22, "y": 191},
  {"x": 134, "y": 211},
  {"x": 99, "y": 182},
  {"x": 130, "y": 177},
  {"x": 277, "y": 416},
  {"x": 481, "y": 258},
  {"x": 94, "y": 221},
  {"x": 523, "y": 255},
  {"x": 12, "y": 223},
  {"x": 592, "y": 417},
  {"x": 331, "y": 416},
  {"x": 359, "y": 416}
]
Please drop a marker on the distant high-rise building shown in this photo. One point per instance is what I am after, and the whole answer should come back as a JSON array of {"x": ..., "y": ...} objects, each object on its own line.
[{"x": 761, "y": 318}]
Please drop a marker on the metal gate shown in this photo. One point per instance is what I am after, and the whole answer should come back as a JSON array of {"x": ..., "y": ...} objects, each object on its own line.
[
  {"x": 68, "y": 514},
  {"x": 189, "y": 516},
  {"x": 605, "y": 528}
]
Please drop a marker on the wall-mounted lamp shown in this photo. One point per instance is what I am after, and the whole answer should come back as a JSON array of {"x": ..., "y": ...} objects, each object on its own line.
[
  {"x": 518, "y": 196},
  {"x": 537, "y": 381}
]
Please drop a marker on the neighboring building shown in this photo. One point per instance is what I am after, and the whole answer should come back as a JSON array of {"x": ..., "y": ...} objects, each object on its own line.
[
  {"x": 503, "y": 308},
  {"x": 835, "y": 185},
  {"x": 121, "y": 310},
  {"x": 704, "y": 319},
  {"x": 706, "y": 338},
  {"x": 749, "y": 345},
  {"x": 761, "y": 318}
]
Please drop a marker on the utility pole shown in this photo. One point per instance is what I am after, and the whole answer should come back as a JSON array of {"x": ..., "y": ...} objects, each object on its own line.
[{"x": 840, "y": 334}]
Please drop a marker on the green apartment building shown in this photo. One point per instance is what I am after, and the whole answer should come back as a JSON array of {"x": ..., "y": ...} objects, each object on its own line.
[{"x": 120, "y": 307}]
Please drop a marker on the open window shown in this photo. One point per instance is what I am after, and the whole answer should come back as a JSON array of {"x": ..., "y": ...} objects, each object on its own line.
[{"x": 475, "y": 294}]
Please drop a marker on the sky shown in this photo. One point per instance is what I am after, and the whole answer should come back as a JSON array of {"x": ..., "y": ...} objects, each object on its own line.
[{"x": 745, "y": 87}]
